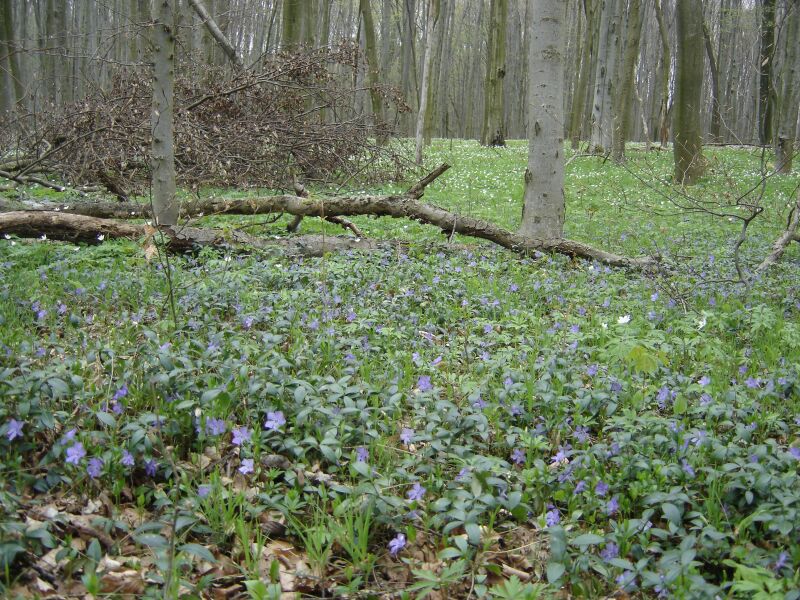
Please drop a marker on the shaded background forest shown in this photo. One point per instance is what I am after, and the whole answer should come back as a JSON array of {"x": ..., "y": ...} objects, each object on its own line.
[{"x": 54, "y": 52}]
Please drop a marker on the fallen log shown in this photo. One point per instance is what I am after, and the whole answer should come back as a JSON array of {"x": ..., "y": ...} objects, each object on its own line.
[
  {"x": 401, "y": 206},
  {"x": 92, "y": 230}
]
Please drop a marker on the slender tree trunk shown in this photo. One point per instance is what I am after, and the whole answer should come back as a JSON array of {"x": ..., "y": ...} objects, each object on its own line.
[
  {"x": 8, "y": 98},
  {"x": 664, "y": 109},
  {"x": 430, "y": 28},
  {"x": 766, "y": 56},
  {"x": 216, "y": 33},
  {"x": 688, "y": 147},
  {"x": 622, "y": 114},
  {"x": 604, "y": 77},
  {"x": 543, "y": 212},
  {"x": 716, "y": 118},
  {"x": 165, "y": 204},
  {"x": 373, "y": 66},
  {"x": 582, "y": 82},
  {"x": 408, "y": 74},
  {"x": 789, "y": 100},
  {"x": 494, "y": 133},
  {"x": 291, "y": 24}
]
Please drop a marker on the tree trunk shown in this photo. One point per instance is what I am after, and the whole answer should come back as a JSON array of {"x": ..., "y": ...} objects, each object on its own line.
[
  {"x": 165, "y": 204},
  {"x": 789, "y": 100},
  {"x": 291, "y": 28},
  {"x": 494, "y": 133},
  {"x": 372, "y": 68},
  {"x": 216, "y": 33},
  {"x": 430, "y": 27},
  {"x": 408, "y": 73},
  {"x": 688, "y": 148},
  {"x": 624, "y": 102},
  {"x": 543, "y": 212},
  {"x": 664, "y": 109},
  {"x": 715, "y": 132},
  {"x": 766, "y": 56},
  {"x": 582, "y": 84},
  {"x": 604, "y": 78}
]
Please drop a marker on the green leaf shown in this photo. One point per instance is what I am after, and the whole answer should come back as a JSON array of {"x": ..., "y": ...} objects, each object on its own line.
[
  {"x": 199, "y": 551},
  {"x": 153, "y": 540},
  {"x": 473, "y": 533},
  {"x": 555, "y": 571},
  {"x": 672, "y": 513},
  {"x": 587, "y": 539},
  {"x": 106, "y": 418}
]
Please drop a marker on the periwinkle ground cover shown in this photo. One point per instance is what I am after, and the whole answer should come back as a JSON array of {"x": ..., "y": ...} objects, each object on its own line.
[{"x": 644, "y": 428}]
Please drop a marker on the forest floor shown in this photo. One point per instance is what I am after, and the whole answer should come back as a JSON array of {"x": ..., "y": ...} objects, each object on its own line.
[{"x": 437, "y": 420}]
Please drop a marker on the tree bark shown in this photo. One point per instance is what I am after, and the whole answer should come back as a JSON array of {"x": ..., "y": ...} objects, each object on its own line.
[
  {"x": 373, "y": 67},
  {"x": 624, "y": 109},
  {"x": 664, "y": 109},
  {"x": 688, "y": 147},
  {"x": 789, "y": 99},
  {"x": 165, "y": 203},
  {"x": 430, "y": 27},
  {"x": 582, "y": 83},
  {"x": 216, "y": 33},
  {"x": 766, "y": 56},
  {"x": 604, "y": 78},
  {"x": 715, "y": 131},
  {"x": 543, "y": 212},
  {"x": 493, "y": 132}
]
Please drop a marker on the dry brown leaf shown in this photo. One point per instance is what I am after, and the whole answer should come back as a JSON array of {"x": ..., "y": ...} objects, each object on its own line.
[{"x": 122, "y": 582}]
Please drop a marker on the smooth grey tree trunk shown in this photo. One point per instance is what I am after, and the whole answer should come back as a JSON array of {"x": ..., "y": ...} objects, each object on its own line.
[
  {"x": 543, "y": 211},
  {"x": 430, "y": 28},
  {"x": 624, "y": 108},
  {"x": 217, "y": 33},
  {"x": 604, "y": 78},
  {"x": 165, "y": 204},
  {"x": 789, "y": 99},
  {"x": 688, "y": 146},
  {"x": 494, "y": 132}
]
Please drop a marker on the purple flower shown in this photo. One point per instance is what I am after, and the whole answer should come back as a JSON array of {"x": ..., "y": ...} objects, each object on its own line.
[
  {"x": 362, "y": 454},
  {"x": 580, "y": 487},
  {"x": 753, "y": 383},
  {"x": 795, "y": 452},
  {"x": 75, "y": 453},
  {"x": 127, "y": 459},
  {"x": 396, "y": 544},
  {"x": 704, "y": 381},
  {"x": 247, "y": 466},
  {"x": 14, "y": 429},
  {"x": 275, "y": 420},
  {"x": 705, "y": 399},
  {"x": 616, "y": 386},
  {"x": 480, "y": 403},
  {"x": 592, "y": 370},
  {"x": 151, "y": 467},
  {"x": 241, "y": 435},
  {"x": 612, "y": 506},
  {"x": 627, "y": 581},
  {"x": 203, "y": 490},
  {"x": 610, "y": 552},
  {"x": 552, "y": 518},
  {"x": 654, "y": 297},
  {"x": 561, "y": 455},
  {"x": 215, "y": 426},
  {"x": 513, "y": 287},
  {"x": 783, "y": 559},
  {"x": 120, "y": 393},
  {"x": 687, "y": 468},
  {"x": 518, "y": 456},
  {"x": 406, "y": 435},
  {"x": 601, "y": 489},
  {"x": 424, "y": 383},
  {"x": 416, "y": 492},
  {"x": 94, "y": 468},
  {"x": 516, "y": 410},
  {"x": 581, "y": 434},
  {"x": 463, "y": 474},
  {"x": 508, "y": 382}
]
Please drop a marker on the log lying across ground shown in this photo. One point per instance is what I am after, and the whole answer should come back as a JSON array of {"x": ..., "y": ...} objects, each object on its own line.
[
  {"x": 55, "y": 222},
  {"x": 93, "y": 230}
]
